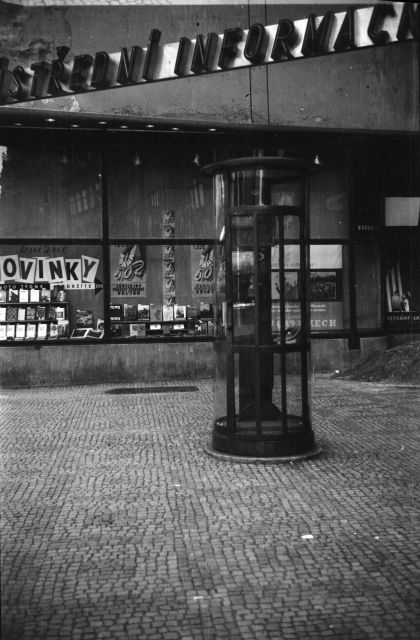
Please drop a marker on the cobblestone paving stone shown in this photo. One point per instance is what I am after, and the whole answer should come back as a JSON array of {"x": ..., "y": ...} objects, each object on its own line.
[{"x": 117, "y": 525}]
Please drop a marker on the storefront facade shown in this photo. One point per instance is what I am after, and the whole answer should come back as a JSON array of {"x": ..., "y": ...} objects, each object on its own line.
[{"x": 107, "y": 219}]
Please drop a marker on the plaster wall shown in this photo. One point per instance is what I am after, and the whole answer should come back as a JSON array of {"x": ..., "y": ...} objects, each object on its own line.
[
  {"x": 87, "y": 364},
  {"x": 374, "y": 88}
]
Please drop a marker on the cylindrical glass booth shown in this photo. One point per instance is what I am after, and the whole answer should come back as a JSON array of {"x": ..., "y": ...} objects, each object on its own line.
[{"x": 262, "y": 339}]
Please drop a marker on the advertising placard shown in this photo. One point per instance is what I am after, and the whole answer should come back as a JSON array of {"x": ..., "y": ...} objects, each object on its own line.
[
  {"x": 128, "y": 271},
  {"x": 202, "y": 270}
]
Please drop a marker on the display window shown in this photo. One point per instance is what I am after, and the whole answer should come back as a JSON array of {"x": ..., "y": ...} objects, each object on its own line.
[
  {"x": 329, "y": 196},
  {"x": 329, "y": 306},
  {"x": 51, "y": 292},
  {"x": 161, "y": 290},
  {"x": 402, "y": 285},
  {"x": 152, "y": 200},
  {"x": 402, "y": 261},
  {"x": 50, "y": 194},
  {"x": 368, "y": 290}
]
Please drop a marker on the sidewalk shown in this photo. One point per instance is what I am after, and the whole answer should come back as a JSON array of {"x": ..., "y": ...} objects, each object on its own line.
[{"x": 117, "y": 525}]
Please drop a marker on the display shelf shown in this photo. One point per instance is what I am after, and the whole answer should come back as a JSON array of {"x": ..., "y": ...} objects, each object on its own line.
[{"x": 49, "y": 328}]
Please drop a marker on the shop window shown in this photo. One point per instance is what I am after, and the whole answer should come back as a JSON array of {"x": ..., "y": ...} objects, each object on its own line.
[
  {"x": 161, "y": 290},
  {"x": 329, "y": 208},
  {"x": 51, "y": 293},
  {"x": 329, "y": 300},
  {"x": 368, "y": 291},
  {"x": 143, "y": 192},
  {"x": 402, "y": 285},
  {"x": 49, "y": 194}
]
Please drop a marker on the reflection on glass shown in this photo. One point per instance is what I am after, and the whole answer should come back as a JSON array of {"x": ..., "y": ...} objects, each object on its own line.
[
  {"x": 294, "y": 389},
  {"x": 50, "y": 194},
  {"x": 291, "y": 227},
  {"x": 219, "y": 384},
  {"x": 270, "y": 403},
  {"x": 264, "y": 187},
  {"x": 285, "y": 195},
  {"x": 159, "y": 200}
]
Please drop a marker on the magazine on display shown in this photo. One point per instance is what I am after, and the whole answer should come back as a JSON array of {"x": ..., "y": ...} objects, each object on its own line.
[
  {"x": 24, "y": 295},
  {"x": 53, "y": 331},
  {"x": 34, "y": 295},
  {"x": 20, "y": 331},
  {"x": 180, "y": 312},
  {"x": 42, "y": 331},
  {"x": 168, "y": 312},
  {"x": 30, "y": 331},
  {"x": 143, "y": 312},
  {"x": 11, "y": 331},
  {"x": 130, "y": 312},
  {"x": 13, "y": 295},
  {"x": 156, "y": 313}
]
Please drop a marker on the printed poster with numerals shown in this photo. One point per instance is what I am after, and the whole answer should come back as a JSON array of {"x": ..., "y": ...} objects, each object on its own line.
[
  {"x": 128, "y": 271},
  {"x": 202, "y": 270}
]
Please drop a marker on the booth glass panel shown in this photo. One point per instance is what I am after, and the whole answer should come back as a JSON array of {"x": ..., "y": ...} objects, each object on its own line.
[
  {"x": 264, "y": 187},
  {"x": 291, "y": 225},
  {"x": 220, "y": 306},
  {"x": 243, "y": 280},
  {"x": 245, "y": 371},
  {"x": 219, "y": 382},
  {"x": 219, "y": 198},
  {"x": 276, "y": 426},
  {"x": 293, "y": 370},
  {"x": 285, "y": 193}
]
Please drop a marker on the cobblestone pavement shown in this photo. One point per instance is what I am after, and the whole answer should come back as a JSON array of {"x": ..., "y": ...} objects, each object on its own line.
[{"x": 117, "y": 525}]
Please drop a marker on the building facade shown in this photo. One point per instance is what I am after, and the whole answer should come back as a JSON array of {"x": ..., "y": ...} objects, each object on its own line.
[{"x": 107, "y": 229}]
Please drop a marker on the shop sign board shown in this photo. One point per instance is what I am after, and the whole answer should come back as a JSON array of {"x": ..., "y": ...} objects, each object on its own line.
[
  {"x": 72, "y": 273},
  {"x": 235, "y": 48}
]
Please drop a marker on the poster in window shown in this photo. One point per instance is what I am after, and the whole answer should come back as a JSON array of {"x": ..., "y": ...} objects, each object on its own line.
[
  {"x": 128, "y": 270},
  {"x": 202, "y": 270},
  {"x": 325, "y": 285},
  {"x": 402, "y": 286}
]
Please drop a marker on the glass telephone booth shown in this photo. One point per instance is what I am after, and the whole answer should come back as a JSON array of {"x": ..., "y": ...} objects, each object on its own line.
[{"x": 262, "y": 340}]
